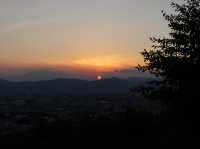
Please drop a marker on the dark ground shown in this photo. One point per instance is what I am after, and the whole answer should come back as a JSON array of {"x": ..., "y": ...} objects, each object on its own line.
[{"x": 106, "y": 120}]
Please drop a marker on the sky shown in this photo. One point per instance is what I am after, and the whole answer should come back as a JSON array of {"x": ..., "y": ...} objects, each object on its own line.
[{"x": 78, "y": 35}]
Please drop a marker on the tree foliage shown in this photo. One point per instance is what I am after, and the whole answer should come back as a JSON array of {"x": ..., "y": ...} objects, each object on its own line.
[{"x": 176, "y": 58}]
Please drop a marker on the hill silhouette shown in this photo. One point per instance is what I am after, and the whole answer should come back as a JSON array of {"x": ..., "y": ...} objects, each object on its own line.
[{"x": 61, "y": 87}]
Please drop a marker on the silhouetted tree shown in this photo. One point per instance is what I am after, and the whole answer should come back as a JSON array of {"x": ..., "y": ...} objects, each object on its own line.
[{"x": 176, "y": 59}]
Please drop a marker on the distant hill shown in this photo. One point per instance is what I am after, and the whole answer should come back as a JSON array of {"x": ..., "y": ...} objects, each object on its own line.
[
  {"x": 36, "y": 75},
  {"x": 42, "y": 75},
  {"x": 4, "y": 82},
  {"x": 67, "y": 87},
  {"x": 50, "y": 74}
]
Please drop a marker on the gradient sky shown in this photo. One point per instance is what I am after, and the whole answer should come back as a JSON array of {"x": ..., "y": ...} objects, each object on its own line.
[{"x": 78, "y": 34}]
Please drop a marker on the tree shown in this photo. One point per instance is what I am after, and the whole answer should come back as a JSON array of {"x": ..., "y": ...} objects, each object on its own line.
[{"x": 176, "y": 59}]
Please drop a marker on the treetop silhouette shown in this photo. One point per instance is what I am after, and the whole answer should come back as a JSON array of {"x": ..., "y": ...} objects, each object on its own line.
[{"x": 177, "y": 58}]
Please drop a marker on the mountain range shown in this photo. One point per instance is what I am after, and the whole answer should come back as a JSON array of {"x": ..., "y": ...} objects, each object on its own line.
[
  {"x": 70, "y": 87},
  {"x": 50, "y": 74}
]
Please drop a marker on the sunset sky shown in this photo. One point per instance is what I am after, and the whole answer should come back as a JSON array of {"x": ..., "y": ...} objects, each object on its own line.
[{"x": 95, "y": 35}]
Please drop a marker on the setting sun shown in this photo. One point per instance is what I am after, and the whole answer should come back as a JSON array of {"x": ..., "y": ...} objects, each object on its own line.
[{"x": 99, "y": 77}]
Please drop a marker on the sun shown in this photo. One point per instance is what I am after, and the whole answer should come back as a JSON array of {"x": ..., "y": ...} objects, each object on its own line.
[{"x": 99, "y": 77}]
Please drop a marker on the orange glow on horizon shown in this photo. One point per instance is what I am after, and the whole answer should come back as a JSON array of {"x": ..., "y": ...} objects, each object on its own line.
[
  {"x": 93, "y": 65},
  {"x": 96, "y": 64}
]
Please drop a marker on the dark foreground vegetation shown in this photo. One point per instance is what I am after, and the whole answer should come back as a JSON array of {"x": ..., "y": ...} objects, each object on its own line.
[{"x": 68, "y": 120}]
